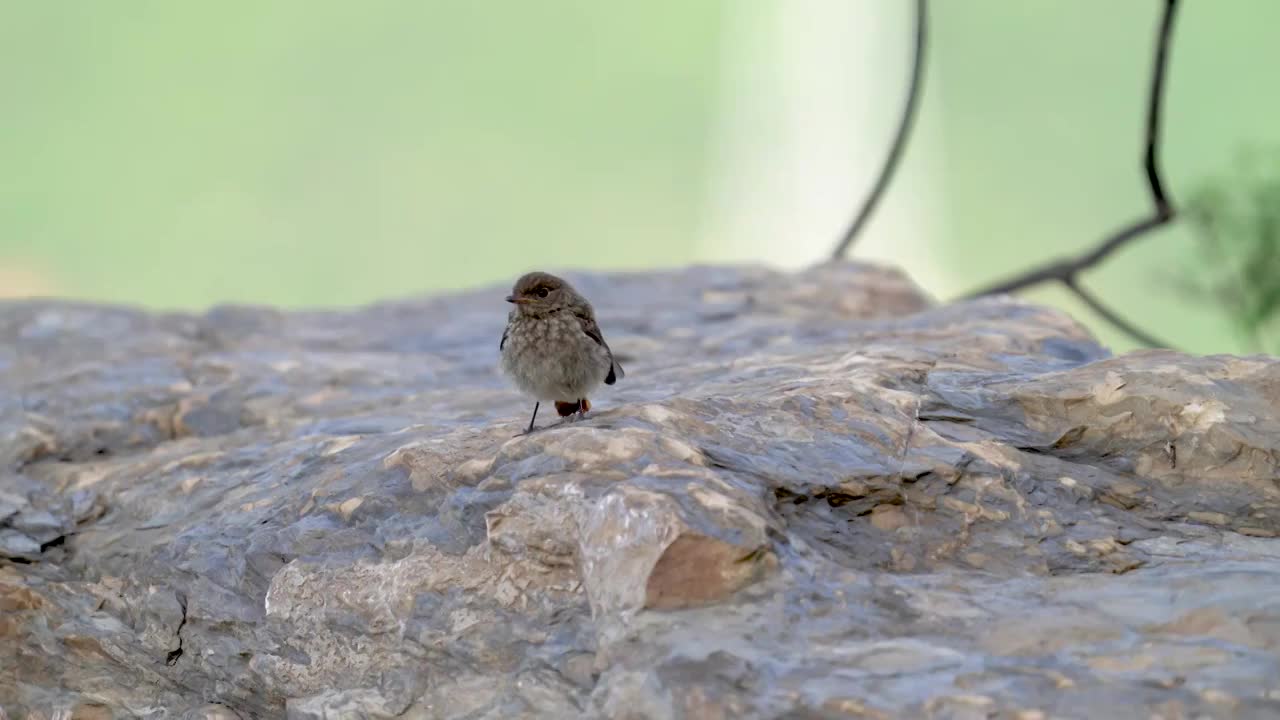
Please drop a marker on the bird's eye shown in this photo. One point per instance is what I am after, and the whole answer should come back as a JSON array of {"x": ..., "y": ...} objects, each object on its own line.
[{"x": 542, "y": 292}]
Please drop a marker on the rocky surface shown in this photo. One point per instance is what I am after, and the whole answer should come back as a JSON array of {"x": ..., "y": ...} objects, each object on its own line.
[{"x": 813, "y": 496}]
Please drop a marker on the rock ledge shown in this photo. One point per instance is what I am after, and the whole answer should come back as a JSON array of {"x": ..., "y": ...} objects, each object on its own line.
[{"x": 815, "y": 495}]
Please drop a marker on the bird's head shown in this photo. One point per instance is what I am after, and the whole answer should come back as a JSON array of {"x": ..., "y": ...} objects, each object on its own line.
[{"x": 539, "y": 293}]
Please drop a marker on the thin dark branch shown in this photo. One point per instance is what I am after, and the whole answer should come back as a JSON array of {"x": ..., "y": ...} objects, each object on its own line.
[
  {"x": 1155, "y": 106},
  {"x": 1107, "y": 314},
  {"x": 1067, "y": 270},
  {"x": 1061, "y": 270},
  {"x": 900, "y": 140}
]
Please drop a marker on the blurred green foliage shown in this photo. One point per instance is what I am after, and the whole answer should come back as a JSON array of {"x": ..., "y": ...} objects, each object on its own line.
[{"x": 1236, "y": 221}]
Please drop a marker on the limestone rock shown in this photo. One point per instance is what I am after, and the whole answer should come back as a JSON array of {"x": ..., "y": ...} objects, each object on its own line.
[{"x": 815, "y": 495}]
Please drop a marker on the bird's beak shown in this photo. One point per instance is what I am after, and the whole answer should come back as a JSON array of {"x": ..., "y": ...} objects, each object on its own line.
[{"x": 516, "y": 300}]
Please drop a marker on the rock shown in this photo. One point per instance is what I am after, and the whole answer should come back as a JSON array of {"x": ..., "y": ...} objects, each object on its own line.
[
  {"x": 34, "y": 519},
  {"x": 815, "y": 495},
  {"x": 211, "y": 711},
  {"x": 18, "y": 546}
]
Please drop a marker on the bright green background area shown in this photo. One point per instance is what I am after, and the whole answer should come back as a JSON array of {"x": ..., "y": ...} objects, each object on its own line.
[
  {"x": 178, "y": 154},
  {"x": 1044, "y": 105}
]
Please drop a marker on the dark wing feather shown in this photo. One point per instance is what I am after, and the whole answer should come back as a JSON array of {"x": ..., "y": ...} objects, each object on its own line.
[
  {"x": 592, "y": 330},
  {"x": 503, "y": 343}
]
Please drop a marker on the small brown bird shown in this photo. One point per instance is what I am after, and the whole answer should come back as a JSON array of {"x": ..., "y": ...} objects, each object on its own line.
[{"x": 552, "y": 347}]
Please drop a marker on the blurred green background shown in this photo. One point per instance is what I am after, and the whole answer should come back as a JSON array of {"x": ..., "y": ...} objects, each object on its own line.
[{"x": 301, "y": 153}]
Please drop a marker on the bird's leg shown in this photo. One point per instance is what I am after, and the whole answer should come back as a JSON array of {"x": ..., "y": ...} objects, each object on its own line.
[
  {"x": 535, "y": 417},
  {"x": 584, "y": 406}
]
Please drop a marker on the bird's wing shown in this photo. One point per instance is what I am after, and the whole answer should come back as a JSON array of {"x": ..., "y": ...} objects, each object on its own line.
[
  {"x": 503, "y": 343},
  {"x": 592, "y": 330}
]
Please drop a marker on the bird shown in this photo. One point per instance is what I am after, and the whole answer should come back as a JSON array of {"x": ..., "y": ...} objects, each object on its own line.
[{"x": 552, "y": 348}]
